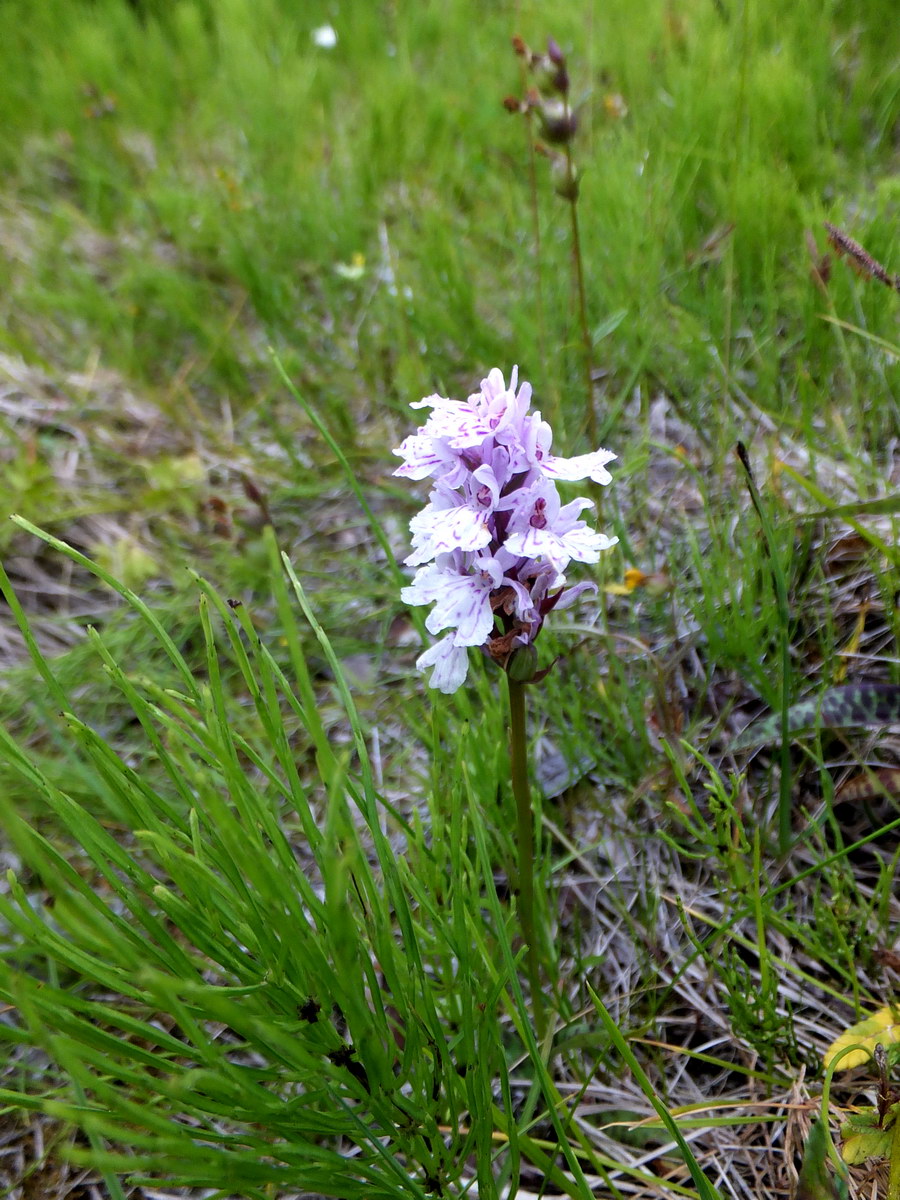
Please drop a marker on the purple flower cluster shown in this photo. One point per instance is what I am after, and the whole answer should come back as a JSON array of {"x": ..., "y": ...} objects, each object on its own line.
[{"x": 494, "y": 540}]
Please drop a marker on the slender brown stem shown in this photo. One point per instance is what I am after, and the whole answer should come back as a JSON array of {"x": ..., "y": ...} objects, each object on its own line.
[
  {"x": 536, "y": 233},
  {"x": 596, "y": 491},
  {"x": 578, "y": 264},
  {"x": 518, "y": 754},
  {"x": 538, "y": 261}
]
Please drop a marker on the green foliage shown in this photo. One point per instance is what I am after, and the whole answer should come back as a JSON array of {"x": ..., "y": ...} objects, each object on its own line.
[
  {"x": 232, "y": 162},
  {"x": 256, "y": 950},
  {"x": 816, "y": 1182},
  {"x": 869, "y": 1135},
  {"x": 272, "y": 902}
]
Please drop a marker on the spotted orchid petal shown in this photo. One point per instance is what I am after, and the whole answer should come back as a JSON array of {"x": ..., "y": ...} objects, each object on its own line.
[
  {"x": 450, "y": 663},
  {"x": 582, "y": 466}
]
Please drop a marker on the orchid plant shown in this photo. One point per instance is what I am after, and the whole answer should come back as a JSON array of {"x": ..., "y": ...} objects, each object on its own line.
[{"x": 492, "y": 546}]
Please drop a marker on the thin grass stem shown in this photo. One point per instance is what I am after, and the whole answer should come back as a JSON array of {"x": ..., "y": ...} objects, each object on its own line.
[
  {"x": 784, "y": 637},
  {"x": 518, "y": 755}
]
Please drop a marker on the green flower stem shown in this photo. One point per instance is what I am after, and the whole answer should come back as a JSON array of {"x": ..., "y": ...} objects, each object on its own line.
[{"x": 518, "y": 747}]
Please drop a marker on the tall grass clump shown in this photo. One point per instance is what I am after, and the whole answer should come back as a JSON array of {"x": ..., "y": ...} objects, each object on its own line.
[
  {"x": 240, "y": 965},
  {"x": 267, "y": 975}
]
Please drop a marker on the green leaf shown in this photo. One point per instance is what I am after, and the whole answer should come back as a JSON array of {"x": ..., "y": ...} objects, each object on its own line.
[
  {"x": 880, "y": 507},
  {"x": 816, "y": 1182},
  {"x": 608, "y": 325},
  {"x": 865, "y": 1137},
  {"x": 881, "y": 1028},
  {"x": 705, "y": 1189}
]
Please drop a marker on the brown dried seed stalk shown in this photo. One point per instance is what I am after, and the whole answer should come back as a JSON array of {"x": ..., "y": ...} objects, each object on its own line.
[{"x": 844, "y": 244}]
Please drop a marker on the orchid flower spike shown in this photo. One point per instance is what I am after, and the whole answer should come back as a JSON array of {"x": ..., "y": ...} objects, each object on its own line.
[{"x": 493, "y": 542}]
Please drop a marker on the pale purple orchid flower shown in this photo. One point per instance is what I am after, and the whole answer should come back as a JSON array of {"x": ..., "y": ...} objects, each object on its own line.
[
  {"x": 461, "y": 593},
  {"x": 451, "y": 521},
  {"x": 542, "y": 528},
  {"x": 494, "y": 540}
]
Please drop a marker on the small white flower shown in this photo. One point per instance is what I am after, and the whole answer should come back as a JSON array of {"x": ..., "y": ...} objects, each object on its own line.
[{"x": 324, "y": 37}]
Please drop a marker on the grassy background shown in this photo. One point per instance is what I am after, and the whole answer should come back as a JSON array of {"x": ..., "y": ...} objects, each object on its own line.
[{"x": 185, "y": 185}]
